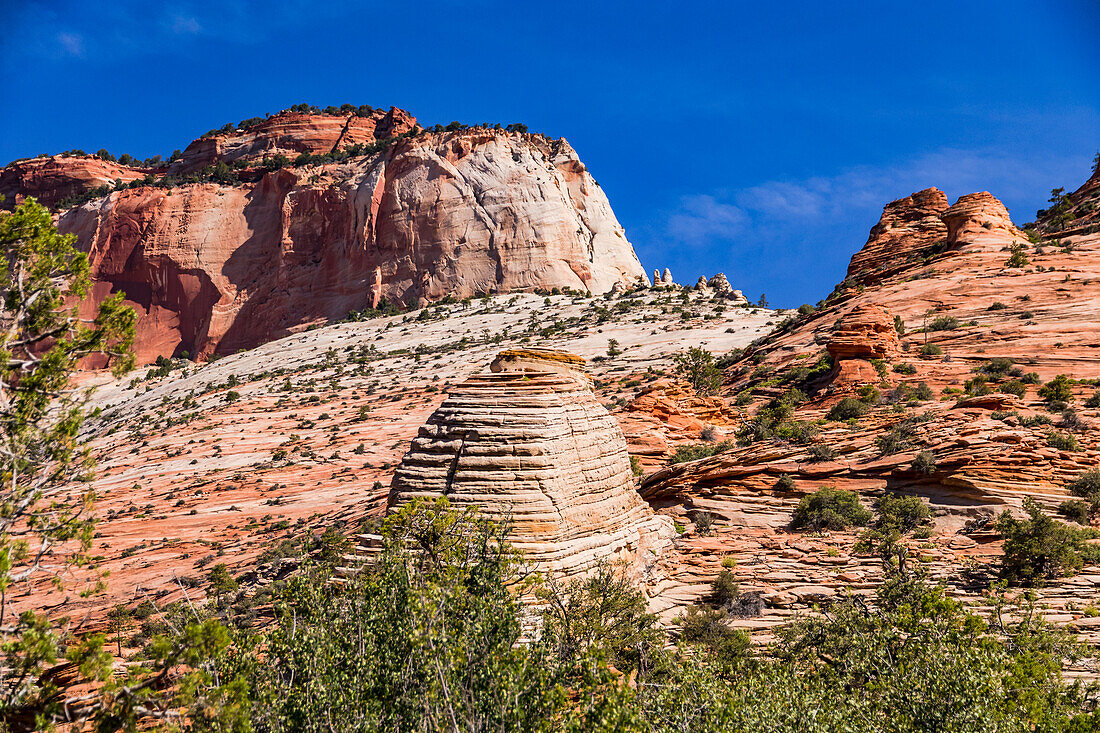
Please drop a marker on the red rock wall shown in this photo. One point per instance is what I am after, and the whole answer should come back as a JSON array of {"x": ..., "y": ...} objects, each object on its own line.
[{"x": 220, "y": 268}]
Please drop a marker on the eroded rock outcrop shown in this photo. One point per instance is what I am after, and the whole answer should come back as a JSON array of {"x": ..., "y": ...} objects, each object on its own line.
[
  {"x": 908, "y": 227},
  {"x": 59, "y": 177},
  {"x": 217, "y": 268},
  {"x": 292, "y": 133},
  {"x": 980, "y": 220},
  {"x": 536, "y": 447}
]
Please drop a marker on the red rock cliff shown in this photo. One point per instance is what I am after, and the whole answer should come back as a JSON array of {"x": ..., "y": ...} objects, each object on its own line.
[{"x": 217, "y": 268}]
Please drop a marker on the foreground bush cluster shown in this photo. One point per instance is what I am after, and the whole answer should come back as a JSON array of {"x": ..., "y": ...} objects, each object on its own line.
[{"x": 431, "y": 637}]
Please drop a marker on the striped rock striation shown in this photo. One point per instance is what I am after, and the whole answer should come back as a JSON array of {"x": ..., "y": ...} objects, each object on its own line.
[{"x": 536, "y": 448}]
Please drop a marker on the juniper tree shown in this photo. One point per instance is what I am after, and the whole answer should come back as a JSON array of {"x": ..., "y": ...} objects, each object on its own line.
[{"x": 46, "y": 517}]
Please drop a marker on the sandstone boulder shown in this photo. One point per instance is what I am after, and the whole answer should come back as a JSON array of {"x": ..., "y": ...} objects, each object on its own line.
[{"x": 865, "y": 332}]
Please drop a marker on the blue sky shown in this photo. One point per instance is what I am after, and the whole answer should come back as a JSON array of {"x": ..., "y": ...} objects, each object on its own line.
[{"x": 757, "y": 139}]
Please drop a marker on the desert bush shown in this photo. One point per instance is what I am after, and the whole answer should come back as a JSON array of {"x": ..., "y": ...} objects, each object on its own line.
[
  {"x": 704, "y": 523},
  {"x": 944, "y": 323},
  {"x": 686, "y": 453},
  {"x": 1018, "y": 258},
  {"x": 1039, "y": 547},
  {"x": 924, "y": 463},
  {"x": 846, "y": 409},
  {"x": 901, "y": 512},
  {"x": 1062, "y": 441},
  {"x": 931, "y": 350},
  {"x": 923, "y": 392},
  {"x": 784, "y": 483},
  {"x": 997, "y": 306},
  {"x": 820, "y": 452},
  {"x": 1087, "y": 486},
  {"x": 905, "y": 368},
  {"x": 1030, "y": 378},
  {"x": 1013, "y": 387},
  {"x": 1056, "y": 390},
  {"x": 698, "y": 367},
  {"x": 1072, "y": 421},
  {"x": 830, "y": 508},
  {"x": 707, "y": 627},
  {"x": 1075, "y": 510},
  {"x": 996, "y": 367},
  {"x": 724, "y": 589},
  {"x": 978, "y": 385}
]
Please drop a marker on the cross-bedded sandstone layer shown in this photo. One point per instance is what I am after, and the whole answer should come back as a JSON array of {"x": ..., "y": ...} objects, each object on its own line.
[{"x": 535, "y": 448}]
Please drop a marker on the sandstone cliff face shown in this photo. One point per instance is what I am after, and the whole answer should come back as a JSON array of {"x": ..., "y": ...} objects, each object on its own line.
[
  {"x": 58, "y": 177},
  {"x": 536, "y": 448},
  {"x": 215, "y": 268}
]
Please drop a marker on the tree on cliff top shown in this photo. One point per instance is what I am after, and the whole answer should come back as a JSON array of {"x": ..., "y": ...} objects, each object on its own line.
[{"x": 45, "y": 518}]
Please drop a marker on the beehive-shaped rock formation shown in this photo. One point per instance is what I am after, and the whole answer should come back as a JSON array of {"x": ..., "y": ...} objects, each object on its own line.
[{"x": 531, "y": 444}]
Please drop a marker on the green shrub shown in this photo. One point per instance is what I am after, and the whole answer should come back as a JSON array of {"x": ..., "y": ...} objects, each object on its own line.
[
  {"x": 1018, "y": 258},
  {"x": 784, "y": 483},
  {"x": 1038, "y": 548},
  {"x": 924, "y": 463},
  {"x": 1013, "y": 387},
  {"x": 1031, "y": 421},
  {"x": 905, "y": 368},
  {"x": 996, "y": 367},
  {"x": 1030, "y": 378},
  {"x": 847, "y": 409},
  {"x": 1075, "y": 510},
  {"x": 944, "y": 323},
  {"x": 1087, "y": 486},
  {"x": 978, "y": 385},
  {"x": 930, "y": 350},
  {"x": 923, "y": 392},
  {"x": 698, "y": 367},
  {"x": 1062, "y": 441},
  {"x": 901, "y": 512},
  {"x": 1094, "y": 400},
  {"x": 830, "y": 508},
  {"x": 997, "y": 306},
  {"x": 1058, "y": 389},
  {"x": 686, "y": 453},
  {"x": 707, "y": 627},
  {"x": 869, "y": 394},
  {"x": 724, "y": 589}
]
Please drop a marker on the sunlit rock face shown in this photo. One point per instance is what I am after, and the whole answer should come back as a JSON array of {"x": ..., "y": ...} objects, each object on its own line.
[
  {"x": 534, "y": 447},
  {"x": 215, "y": 268}
]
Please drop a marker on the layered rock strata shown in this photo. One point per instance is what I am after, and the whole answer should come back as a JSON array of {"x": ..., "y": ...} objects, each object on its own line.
[
  {"x": 215, "y": 268},
  {"x": 537, "y": 449},
  {"x": 908, "y": 228}
]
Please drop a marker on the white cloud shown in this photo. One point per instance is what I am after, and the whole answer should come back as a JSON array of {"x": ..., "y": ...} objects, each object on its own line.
[
  {"x": 702, "y": 219},
  {"x": 185, "y": 25},
  {"x": 783, "y": 209},
  {"x": 71, "y": 43}
]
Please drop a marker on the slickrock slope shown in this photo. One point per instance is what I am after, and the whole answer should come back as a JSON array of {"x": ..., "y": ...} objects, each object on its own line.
[
  {"x": 961, "y": 302},
  {"x": 530, "y": 444},
  {"x": 214, "y": 267},
  {"x": 218, "y": 462}
]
